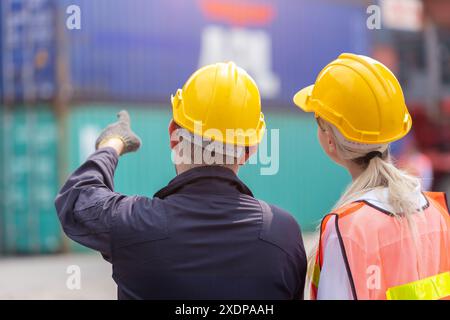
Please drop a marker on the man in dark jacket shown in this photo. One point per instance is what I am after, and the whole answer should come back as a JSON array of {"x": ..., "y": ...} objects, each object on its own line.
[{"x": 204, "y": 235}]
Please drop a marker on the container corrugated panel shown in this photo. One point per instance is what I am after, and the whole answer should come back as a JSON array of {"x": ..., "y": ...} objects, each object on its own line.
[
  {"x": 2, "y": 174},
  {"x": 28, "y": 50},
  {"x": 144, "y": 50},
  {"x": 29, "y": 182},
  {"x": 307, "y": 183}
]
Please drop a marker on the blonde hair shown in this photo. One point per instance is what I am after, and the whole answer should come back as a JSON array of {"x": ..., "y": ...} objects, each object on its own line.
[{"x": 378, "y": 172}]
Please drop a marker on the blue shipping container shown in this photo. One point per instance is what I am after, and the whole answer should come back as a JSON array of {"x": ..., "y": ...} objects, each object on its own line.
[
  {"x": 143, "y": 50},
  {"x": 28, "y": 50}
]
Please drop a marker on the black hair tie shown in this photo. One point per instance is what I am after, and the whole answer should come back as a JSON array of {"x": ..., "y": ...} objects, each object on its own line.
[{"x": 373, "y": 154}]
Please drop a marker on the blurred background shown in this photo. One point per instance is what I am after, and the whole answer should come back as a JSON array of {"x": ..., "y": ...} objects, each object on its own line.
[{"x": 68, "y": 66}]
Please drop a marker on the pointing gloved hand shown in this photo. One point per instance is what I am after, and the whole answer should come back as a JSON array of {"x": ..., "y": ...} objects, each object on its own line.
[{"x": 119, "y": 136}]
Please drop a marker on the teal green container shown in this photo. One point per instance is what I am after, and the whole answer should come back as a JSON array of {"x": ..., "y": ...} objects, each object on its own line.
[
  {"x": 28, "y": 181},
  {"x": 306, "y": 184}
]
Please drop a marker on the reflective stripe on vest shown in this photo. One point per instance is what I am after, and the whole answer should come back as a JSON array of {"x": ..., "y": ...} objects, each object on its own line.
[
  {"x": 380, "y": 254},
  {"x": 431, "y": 288}
]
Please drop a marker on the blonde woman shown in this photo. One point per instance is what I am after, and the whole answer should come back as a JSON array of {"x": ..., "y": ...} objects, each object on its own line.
[{"x": 385, "y": 238}]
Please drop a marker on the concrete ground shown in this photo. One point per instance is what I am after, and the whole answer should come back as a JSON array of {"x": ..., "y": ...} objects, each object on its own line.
[
  {"x": 45, "y": 277},
  {"x": 54, "y": 276}
]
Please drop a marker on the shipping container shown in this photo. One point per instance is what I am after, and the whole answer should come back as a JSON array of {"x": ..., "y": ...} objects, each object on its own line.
[
  {"x": 2, "y": 184},
  {"x": 143, "y": 50},
  {"x": 28, "y": 181},
  {"x": 306, "y": 182},
  {"x": 28, "y": 50}
]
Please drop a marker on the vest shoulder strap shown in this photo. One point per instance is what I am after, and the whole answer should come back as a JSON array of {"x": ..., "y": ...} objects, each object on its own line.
[
  {"x": 341, "y": 212},
  {"x": 440, "y": 198},
  {"x": 338, "y": 214},
  {"x": 349, "y": 208}
]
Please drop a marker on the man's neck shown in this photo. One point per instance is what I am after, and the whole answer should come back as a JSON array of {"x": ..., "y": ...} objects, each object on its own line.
[{"x": 185, "y": 167}]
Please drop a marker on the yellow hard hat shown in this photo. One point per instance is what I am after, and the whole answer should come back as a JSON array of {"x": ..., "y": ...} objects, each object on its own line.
[
  {"x": 361, "y": 97},
  {"x": 221, "y": 96}
]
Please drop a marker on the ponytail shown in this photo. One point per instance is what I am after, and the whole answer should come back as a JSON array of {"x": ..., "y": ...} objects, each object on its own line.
[{"x": 380, "y": 172}]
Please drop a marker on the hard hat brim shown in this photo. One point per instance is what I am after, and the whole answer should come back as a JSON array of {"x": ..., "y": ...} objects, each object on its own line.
[
  {"x": 248, "y": 140},
  {"x": 301, "y": 98}
]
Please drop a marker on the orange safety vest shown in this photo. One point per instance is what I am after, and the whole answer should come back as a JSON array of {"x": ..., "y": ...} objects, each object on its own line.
[{"x": 382, "y": 259}]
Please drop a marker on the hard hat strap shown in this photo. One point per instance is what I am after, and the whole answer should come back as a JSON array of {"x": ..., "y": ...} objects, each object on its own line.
[{"x": 356, "y": 149}]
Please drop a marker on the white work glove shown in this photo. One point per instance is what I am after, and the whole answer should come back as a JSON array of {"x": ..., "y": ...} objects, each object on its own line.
[{"x": 120, "y": 130}]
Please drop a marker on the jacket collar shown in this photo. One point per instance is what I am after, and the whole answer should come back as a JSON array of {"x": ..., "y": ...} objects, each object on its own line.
[{"x": 199, "y": 174}]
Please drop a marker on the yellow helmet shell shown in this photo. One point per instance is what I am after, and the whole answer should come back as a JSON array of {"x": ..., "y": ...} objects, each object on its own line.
[
  {"x": 361, "y": 97},
  {"x": 221, "y": 98}
]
